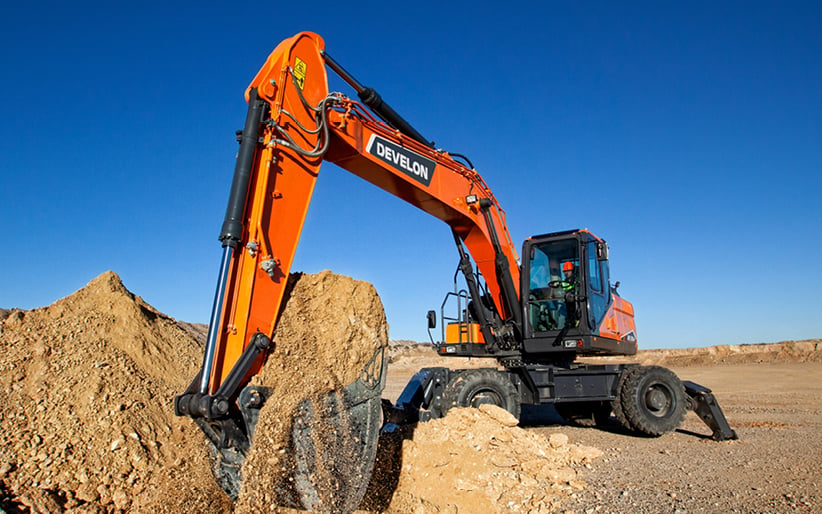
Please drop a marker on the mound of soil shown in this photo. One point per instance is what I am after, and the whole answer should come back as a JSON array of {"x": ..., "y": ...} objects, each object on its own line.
[
  {"x": 772, "y": 353},
  {"x": 478, "y": 460},
  {"x": 86, "y": 422}
]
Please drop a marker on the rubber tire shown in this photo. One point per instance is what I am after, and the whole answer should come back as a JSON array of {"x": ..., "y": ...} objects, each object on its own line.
[
  {"x": 475, "y": 387},
  {"x": 653, "y": 400},
  {"x": 616, "y": 403},
  {"x": 585, "y": 414}
]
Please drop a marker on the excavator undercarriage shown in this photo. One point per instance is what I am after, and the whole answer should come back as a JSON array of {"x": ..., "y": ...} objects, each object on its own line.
[{"x": 647, "y": 400}]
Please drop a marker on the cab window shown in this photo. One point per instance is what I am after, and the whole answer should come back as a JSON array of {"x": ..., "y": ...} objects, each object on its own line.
[
  {"x": 594, "y": 276},
  {"x": 600, "y": 295},
  {"x": 553, "y": 274}
]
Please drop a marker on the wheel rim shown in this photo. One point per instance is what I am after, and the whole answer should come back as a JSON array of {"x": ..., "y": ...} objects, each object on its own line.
[
  {"x": 659, "y": 400},
  {"x": 486, "y": 397}
]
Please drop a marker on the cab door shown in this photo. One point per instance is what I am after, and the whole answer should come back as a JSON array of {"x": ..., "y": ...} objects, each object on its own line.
[
  {"x": 599, "y": 292},
  {"x": 553, "y": 276}
]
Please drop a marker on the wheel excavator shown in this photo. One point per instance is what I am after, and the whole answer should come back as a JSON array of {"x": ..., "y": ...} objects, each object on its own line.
[{"x": 532, "y": 319}]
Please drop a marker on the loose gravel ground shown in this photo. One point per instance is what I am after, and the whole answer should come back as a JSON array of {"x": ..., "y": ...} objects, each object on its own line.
[{"x": 776, "y": 409}]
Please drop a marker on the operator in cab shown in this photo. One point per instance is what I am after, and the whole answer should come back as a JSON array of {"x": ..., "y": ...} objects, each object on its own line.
[
  {"x": 569, "y": 285},
  {"x": 569, "y": 282}
]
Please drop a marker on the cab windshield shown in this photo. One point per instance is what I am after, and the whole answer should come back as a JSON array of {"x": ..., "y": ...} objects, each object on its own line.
[{"x": 554, "y": 274}]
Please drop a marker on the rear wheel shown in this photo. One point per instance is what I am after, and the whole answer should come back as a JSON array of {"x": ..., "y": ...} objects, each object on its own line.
[
  {"x": 585, "y": 414},
  {"x": 477, "y": 387},
  {"x": 652, "y": 400}
]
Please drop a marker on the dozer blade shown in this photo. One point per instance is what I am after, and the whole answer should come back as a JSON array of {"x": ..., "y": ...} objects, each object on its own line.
[{"x": 331, "y": 448}]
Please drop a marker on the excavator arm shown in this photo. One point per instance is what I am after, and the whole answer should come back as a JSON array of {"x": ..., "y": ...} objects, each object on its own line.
[{"x": 293, "y": 125}]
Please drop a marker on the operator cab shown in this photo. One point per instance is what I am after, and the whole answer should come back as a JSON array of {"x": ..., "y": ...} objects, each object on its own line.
[
  {"x": 568, "y": 303},
  {"x": 568, "y": 307}
]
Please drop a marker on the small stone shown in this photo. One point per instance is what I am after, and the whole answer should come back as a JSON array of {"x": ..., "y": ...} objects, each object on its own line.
[
  {"x": 87, "y": 493},
  {"x": 120, "y": 499},
  {"x": 105, "y": 496}
]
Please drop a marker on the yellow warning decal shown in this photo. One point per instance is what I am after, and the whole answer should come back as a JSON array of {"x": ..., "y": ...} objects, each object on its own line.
[{"x": 299, "y": 72}]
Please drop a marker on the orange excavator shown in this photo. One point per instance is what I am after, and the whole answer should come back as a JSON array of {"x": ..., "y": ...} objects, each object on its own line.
[{"x": 534, "y": 317}]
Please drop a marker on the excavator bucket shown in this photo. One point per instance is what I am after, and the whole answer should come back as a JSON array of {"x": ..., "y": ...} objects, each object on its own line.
[
  {"x": 334, "y": 445},
  {"x": 329, "y": 452}
]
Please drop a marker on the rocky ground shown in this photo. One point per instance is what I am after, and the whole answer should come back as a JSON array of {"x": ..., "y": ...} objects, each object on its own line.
[
  {"x": 86, "y": 423},
  {"x": 776, "y": 409}
]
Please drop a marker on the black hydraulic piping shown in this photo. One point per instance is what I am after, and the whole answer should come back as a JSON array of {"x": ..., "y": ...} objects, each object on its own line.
[
  {"x": 196, "y": 401},
  {"x": 473, "y": 290},
  {"x": 463, "y": 157},
  {"x": 506, "y": 282},
  {"x": 232, "y": 230},
  {"x": 374, "y": 101}
]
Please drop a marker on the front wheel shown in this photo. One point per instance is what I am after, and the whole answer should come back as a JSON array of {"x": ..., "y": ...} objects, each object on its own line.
[
  {"x": 652, "y": 400},
  {"x": 476, "y": 387}
]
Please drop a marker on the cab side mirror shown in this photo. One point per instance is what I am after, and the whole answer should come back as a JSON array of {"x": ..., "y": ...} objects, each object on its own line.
[
  {"x": 602, "y": 251},
  {"x": 432, "y": 319}
]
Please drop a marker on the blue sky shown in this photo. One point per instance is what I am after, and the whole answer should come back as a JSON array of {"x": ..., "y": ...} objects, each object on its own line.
[{"x": 685, "y": 134}]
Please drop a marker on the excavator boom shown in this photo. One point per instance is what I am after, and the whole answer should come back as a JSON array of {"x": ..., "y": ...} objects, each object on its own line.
[{"x": 293, "y": 125}]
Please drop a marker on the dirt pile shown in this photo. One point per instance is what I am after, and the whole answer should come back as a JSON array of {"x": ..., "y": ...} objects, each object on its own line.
[
  {"x": 478, "y": 460},
  {"x": 773, "y": 353},
  {"x": 85, "y": 418},
  {"x": 87, "y": 383},
  {"x": 87, "y": 425},
  {"x": 331, "y": 329},
  {"x": 784, "y": 352}
]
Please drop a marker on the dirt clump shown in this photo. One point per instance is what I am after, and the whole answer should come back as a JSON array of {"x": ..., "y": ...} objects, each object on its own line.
[
  {"x": 478, "y": 460},
  {"x": 86, "y": 423}
]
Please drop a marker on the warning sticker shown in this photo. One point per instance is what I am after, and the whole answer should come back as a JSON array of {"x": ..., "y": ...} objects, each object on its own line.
[{"x": 299, "y": 72}]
